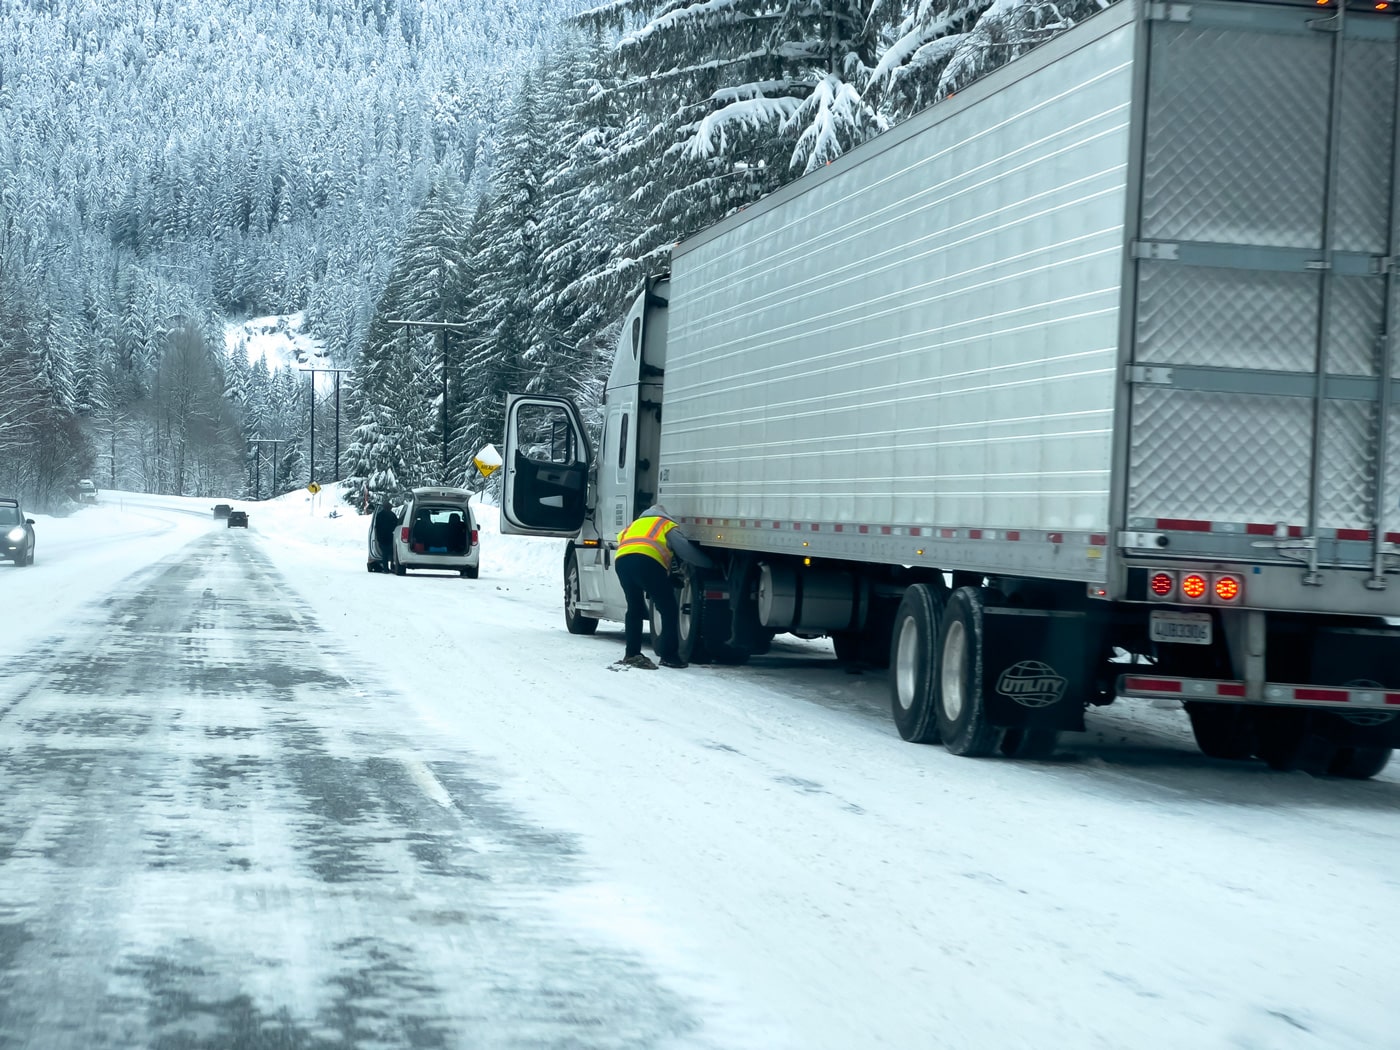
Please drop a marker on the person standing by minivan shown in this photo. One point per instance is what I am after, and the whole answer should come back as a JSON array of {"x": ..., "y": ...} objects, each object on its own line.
[
  {"x": 385, "y": 522},
  {"x": 644, "y": 552}
]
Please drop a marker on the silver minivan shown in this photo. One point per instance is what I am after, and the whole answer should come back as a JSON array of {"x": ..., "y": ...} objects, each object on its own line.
[{"x": 437, "y": 531}]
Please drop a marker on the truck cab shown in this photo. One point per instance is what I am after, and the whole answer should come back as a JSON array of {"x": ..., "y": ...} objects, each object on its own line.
[{"x": 557, "y": 484}]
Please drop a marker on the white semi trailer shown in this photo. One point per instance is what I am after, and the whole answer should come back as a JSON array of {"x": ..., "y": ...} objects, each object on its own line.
[{"x": 1077, "y": 386}]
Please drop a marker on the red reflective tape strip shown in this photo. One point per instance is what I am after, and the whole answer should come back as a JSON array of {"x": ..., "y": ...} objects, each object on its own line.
[
  {"x": 1153, "y": 685},
  {"x": 1393, "y": 699},
  {"x": 885, "y": 530},
  {"x": 1353, "y": 534},
  {"x": 916, "y": 532},
  {"x": 1392, "y": 537},
  {"x": 948, "y": 534},
  {"x": 974, "y": 534},
  {"x": 816, "y": 527},
  {"x": 838, "y": 527},
  {"x": 1013, "y": 535},
  {"x": 1183, "y": 525},
  {"x": 1230, "y": 689},
  {"x": 1055, "y": 537},
  {"x": 1331, "y": 696},
  {"x": 1098, "y": 540},
  {"x": 864, "y": 529}
]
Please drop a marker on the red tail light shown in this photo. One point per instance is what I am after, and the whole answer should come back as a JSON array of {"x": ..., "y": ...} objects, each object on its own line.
[
  {"x": 1193, "y": 586},
  {"x": 403, "y": 534},
  {"x": 473, "y": 537},
  {"x": 1227, "y": 588},
  {"x": 1162, "y": 584}
]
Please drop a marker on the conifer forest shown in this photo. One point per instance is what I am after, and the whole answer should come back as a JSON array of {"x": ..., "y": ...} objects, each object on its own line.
[{"x": 512, "y": 169}]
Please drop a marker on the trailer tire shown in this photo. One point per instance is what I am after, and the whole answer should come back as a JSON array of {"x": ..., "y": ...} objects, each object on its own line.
[
  {"x": 1222, "y": 730},
  {"x": 575, "y": 621},
  {"x": 1286, "y": 742},
  {"x": 962, "y": 718},
  {"x": 913, "y": 663},
  {"x": 1029, "y": 743},
  {"x": 1358, "y": 763}
]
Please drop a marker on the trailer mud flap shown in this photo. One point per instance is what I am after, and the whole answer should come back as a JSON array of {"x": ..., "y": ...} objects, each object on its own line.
[{"x": 1037, "y": 667}]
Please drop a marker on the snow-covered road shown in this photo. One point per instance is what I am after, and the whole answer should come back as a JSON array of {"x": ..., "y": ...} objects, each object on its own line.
[{"x": 535, "y": 849}]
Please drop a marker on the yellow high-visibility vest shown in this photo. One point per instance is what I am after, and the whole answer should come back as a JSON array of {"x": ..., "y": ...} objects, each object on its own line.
[{"x": 647, "y": 536}]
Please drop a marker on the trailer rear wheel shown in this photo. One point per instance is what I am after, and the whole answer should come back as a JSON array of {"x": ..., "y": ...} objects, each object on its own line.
[
  {"x": 1286, "y": 742},
  {"x": 575, "y": 621},
  {"x": 1358, "y": 763},
  {"x": 1222, "y": 730},
  {"x": 912, "y": 660},
  {"x": 1029, "y": 743},
  {"x": 962, "y": 718}
]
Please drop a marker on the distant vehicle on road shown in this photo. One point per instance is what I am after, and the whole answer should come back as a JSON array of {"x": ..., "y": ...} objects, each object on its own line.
[
  {"x": 87, "y": 491},
  {"x": 237, "y": 519},
  {"x": 222, "y": 510},
  {"x": 16, "y": 532},
  {"x": 437, "y": 531}
]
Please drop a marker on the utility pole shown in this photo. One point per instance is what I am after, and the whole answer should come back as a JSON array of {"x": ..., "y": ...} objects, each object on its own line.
[
  {"x": 257, "y": 461},
  {"x": 313, "y": 372},
  {"x": 442, "y": 328}
]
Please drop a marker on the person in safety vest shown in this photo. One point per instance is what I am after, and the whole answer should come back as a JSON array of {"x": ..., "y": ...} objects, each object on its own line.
[{"x": 644, "y": 552}]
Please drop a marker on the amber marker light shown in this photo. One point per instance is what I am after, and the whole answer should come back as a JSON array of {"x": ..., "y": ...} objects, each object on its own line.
[
  {"x": 1193, "y": 586},
  {"x": 1227, "y": 588}
]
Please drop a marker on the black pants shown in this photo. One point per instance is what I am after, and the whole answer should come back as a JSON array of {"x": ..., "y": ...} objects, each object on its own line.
[
  {"x": 643, "y": 577},
  {"x": 385, "y": 543}
]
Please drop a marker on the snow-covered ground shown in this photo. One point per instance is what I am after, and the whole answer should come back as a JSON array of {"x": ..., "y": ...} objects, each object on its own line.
[
  {"x": 764, "y": 837},
  {"x": 279, "y": 339}
]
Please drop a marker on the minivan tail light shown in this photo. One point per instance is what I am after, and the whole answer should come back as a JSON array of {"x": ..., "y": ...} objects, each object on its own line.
[
  {"x": 473, "y": 537},
  {"x": 403, "y": 534}
]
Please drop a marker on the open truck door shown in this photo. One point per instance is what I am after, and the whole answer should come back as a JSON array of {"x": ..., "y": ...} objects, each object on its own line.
[{"x": 547, "y": 464}]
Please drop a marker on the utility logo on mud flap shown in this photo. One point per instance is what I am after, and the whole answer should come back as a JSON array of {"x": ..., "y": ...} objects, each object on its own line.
[{"x": 1032, "y": 684}]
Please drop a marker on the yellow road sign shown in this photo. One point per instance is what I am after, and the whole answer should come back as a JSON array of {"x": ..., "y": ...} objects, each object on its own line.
[
  {"x": 487, "y": 460},
  {"x": 313, "y": 488}
]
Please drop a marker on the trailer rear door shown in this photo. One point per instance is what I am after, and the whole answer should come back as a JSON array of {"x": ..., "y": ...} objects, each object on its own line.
[{"x": 1262, "y": 375}]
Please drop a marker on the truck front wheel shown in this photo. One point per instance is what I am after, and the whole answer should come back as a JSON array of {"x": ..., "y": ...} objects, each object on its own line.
[
  {"x": 912, "y": 663},
  {"x": 574, "y": 620},
  {"x": 962, "y": 717}
]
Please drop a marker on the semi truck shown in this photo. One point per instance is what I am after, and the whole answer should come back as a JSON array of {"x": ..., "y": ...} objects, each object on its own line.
[{"x": 1078, "y": 386}]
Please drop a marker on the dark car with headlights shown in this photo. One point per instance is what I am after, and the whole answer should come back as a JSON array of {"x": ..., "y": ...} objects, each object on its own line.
[{"x": 16, "y": 533}]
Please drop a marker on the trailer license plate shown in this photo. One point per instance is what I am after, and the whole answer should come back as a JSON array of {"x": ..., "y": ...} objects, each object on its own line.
[{"x": 1182, "y": 628}]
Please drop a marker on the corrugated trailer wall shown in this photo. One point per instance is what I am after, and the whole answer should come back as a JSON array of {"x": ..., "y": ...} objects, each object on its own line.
[
  {"x": 1262, "y": 284},
  {"x": 927, "y": 332}
]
